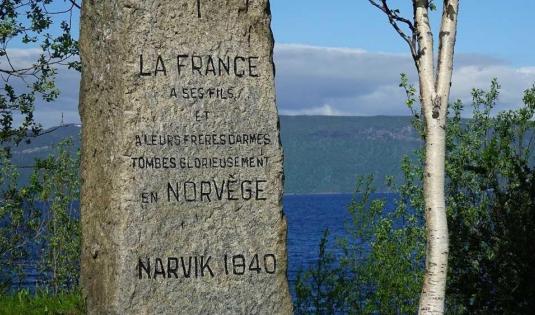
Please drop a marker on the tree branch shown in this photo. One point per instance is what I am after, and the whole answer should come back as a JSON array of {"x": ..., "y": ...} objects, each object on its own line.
[
  {"x": 394, "y": 19},
  {"x": 33, "y": 69},
  {"x": 75, "y": 4},
  {"x": 447, "y": 37},
  {"x": 425, "y": 56}
]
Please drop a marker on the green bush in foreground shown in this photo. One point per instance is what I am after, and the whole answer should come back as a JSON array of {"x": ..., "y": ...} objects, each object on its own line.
[
  {"x": 41, "y": 303},
  {"x": 491, "y": 207},
  {"x": 490, "y": 193},
  {"x": 42, "y": 214}
]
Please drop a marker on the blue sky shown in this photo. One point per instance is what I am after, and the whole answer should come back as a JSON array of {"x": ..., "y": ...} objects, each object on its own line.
[
  {"x": 343, "y": 57},
  {"x": 502, "y": 29}
]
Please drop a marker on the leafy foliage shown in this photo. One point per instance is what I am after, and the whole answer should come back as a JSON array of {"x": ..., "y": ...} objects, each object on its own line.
[
  {"x": 380, "y": 267},
  {"x": 56, "y": 179},
  {"x": 39, "y": 214},
  {"x": 15, "y": 223},
  {"x": 383, "y": 249},
  {"x": 32, "y": 23},
  {"x": 490, "y": 195},
  {"x": 491, "y": 207},
  {"x": 317, "y": 289},
  {"x": 42, "y": 214}
]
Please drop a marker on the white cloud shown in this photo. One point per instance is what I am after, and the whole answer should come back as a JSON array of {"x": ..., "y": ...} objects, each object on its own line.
[
  {"x": 325, "y": 110},
  {"x": 358, "y": 82},
  {"x": 315, "y": 80},
  {"x": 21, "y": 58},
  {"x": 300, "y": 48},
  {"x": 512, "y": 80}
]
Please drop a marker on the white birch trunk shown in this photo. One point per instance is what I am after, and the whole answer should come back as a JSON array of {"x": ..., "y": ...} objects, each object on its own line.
[{"x": 434, "y": 95}]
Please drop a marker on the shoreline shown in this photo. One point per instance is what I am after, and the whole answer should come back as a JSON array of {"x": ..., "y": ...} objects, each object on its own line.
[{"x": 332, "y": 193}]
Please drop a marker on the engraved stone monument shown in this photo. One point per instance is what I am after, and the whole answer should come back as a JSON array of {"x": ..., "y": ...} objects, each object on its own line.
[{"x": 181, "y": 159}]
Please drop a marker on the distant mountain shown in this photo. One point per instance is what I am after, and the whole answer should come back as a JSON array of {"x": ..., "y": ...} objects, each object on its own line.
[
  {"x": 323, "y": 154},
  {"x": 326, "y": 154}
]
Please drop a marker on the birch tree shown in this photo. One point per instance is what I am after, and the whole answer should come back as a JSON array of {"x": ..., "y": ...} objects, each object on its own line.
[{"x": 434, "y": 88}]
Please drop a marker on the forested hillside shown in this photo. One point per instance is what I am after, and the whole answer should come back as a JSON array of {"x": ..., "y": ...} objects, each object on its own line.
[{"x": 326, "y": 154}]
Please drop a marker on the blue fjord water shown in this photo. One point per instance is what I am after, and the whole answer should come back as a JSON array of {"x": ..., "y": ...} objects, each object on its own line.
[{"x": 308, "y": 216}]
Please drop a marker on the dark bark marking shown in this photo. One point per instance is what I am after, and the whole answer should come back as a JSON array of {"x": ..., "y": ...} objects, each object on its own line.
[{"x": 436, "y": 107}]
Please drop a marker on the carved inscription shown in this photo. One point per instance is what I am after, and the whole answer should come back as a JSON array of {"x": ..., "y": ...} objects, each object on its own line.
[
  {"x": 204, "y": 189},
  {"x": 199, "y": 65},
  {"x": 205, "y": 266}
]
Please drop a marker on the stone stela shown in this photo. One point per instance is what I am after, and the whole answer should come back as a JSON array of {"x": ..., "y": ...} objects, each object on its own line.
[{"x": 181, "y": 159}]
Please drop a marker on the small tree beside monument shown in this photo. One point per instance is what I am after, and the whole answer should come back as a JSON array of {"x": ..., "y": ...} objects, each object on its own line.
[{"x": 434, "y": 89}]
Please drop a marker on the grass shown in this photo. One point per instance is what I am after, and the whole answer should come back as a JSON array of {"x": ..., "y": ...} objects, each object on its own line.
[{"x": 24, "y": 302}]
